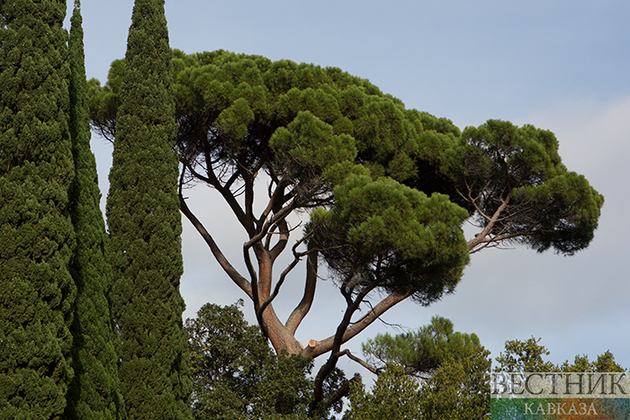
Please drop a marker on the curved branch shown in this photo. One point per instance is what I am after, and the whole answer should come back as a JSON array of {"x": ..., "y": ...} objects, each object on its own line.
[
  {"x": 300, "y": 311},
  {"x": 338, "y": 340},
  {"x": 341, "y": 392},
  {"x": 360, "y": 361},
  {"x": 236, "y": 277},
  {"x": 277, "y": 218},
  {"x": 283, "y": 276},
  {"x": 283, "y": 226},
  {"x": 275, "y": 199},
  {"x": 316, "y": 348},
  {"x": 481, "y": 237},
  {"x": 227, "y": 195},
  {"x": 255, "y": 290},
  {"x": 495, "y": 241}
]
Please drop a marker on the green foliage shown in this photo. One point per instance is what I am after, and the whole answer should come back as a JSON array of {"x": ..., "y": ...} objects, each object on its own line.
[
  {"x": 528, "y": 356},
  {"x": 423, "y": 351},
  {"x": 459, "y": 389},
  {"x": 36, "y": 234},
  {"x": 105, "y": 100},
  {"x": 453, "y": 368},
  {"x": 385, "y": 232},
  {"x": 94, "y": 392},
  {"x": 544, "y": 205},
  {"x": 524, "y": 356},
  {"x": 308, "y": 146},
  {"x": 394, "y": 396},
  {"x": 237, "y": 375},
  {"x": 145, "y": 227},
  {"x": 311, "y": 126},
  {"x": 387, "y": 189},
  {"x": 327, "y": 140},
  {"x": 605, "y": 363}
]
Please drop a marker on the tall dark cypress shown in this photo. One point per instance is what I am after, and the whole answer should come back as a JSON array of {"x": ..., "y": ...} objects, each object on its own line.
[
  {"x": 145, "y": 227},
  {"x": 36, "y": 235},
  {"x": 94, "y": 392}
]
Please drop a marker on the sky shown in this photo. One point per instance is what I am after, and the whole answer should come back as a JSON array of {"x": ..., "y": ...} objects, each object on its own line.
[{"x": 559, "y": 65}]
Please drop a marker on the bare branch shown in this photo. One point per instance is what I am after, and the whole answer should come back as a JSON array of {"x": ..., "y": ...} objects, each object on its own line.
[
  {"x": 397, "y": 327},
  {"x": 274, "y": 199},
  {"x": 282, "y": 241},
  {"x": 330, "y": 364},
  {"x": 341, "y": 392},
  {"x": 362, "y": 362},
  {"x": 300, "y": 311},
  {"x": 236, "y": 277},
  {"x": 277, "y": 217},
  {"x": 227, "y": 195},
  {"x": 316, "y": 348},
  {"x": 480, "y": 237},
  {"x": 282, "y": 278}
]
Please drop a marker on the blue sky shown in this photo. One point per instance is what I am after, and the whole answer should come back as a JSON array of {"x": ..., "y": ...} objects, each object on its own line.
[{"x": 559, "y": 65}]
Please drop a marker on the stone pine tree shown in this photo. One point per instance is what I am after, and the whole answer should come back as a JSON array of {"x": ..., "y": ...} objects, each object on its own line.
[
  {"x": 36, "y": 234},
  {"x": 386, "y": 190},
  {"x": 94, "y": 392},
  {"x": 145, "y": 228}
]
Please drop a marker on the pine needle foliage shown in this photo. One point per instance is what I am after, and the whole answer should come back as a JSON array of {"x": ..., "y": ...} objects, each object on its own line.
[
  {"x": 387, "y": 188},
  {"x": 36, "y": 234},
  {"x": 94, "y": 392},
  {"x": 145, "y": 228}
]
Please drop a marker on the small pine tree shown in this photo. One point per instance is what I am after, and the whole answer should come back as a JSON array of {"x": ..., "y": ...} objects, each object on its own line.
[
  {"x": 36, "y": 234},
  {"x": 524, "y": 356},
  {"x": 94, "y": 392},
  {"x": 393, "y": 396},
  {"x": 145, "y": 228}
]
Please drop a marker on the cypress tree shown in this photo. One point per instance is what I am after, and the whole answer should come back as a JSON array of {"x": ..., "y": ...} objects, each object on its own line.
[
  {"x": 94, "y": 392},
  {"x": 145, "y": 227},
  {"x": 36, "y": 234}
]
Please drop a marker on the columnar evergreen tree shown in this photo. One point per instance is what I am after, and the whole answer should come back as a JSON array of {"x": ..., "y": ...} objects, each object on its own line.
[
  {"x": 36, "y": 234},
  {"x": 94, "y": 392},
  {"x": 145, "y": 228}
]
